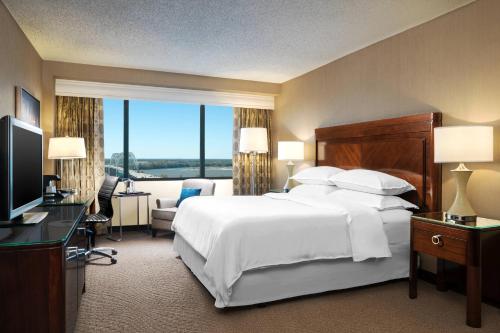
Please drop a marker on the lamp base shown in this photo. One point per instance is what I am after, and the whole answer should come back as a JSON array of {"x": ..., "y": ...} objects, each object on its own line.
[
  {"x": 253, "y": 155},
  {"x": 461, "y": 209},
  {"x": 460, "y": 218},
  {"x": 288, "y": 185}
]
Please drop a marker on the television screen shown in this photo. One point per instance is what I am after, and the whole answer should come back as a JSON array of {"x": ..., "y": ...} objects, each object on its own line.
[
  {"x": 26, "y": 166},
  {"x": 21, "y": 170}
]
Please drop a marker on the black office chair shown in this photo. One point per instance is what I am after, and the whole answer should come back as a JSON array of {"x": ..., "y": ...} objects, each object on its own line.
[{"x": 104, "y": 215}]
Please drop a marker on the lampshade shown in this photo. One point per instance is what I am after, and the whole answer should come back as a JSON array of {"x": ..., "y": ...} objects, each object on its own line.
[
  {"x": 253, "y": 139},
  {"x": 65, "y": 148},
  {"x": 291, "y": 150},
  {"x": 463, "y": 144}
]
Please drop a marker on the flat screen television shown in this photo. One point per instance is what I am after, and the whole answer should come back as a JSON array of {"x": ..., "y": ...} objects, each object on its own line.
[{"x": 21, "y": 170}]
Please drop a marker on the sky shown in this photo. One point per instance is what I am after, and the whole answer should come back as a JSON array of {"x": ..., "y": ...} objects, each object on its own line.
[{"x": 168, "y": 130}]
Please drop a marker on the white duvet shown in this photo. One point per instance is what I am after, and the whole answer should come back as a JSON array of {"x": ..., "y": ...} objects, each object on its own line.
[{"x": 240, "y": 233}]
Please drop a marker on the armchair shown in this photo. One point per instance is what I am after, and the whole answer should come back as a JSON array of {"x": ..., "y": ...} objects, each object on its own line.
[{"x": 163, "y": 215}]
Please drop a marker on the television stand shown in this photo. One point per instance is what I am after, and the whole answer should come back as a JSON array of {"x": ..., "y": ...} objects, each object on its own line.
[{"x": 26, "y": 219}]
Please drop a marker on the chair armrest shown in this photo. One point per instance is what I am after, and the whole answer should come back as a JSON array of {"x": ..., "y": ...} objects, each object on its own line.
[{"x": 166, "y": 202}]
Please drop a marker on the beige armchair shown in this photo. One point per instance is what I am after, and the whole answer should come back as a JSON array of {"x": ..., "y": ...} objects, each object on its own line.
[{"x": 163, "y": 215}]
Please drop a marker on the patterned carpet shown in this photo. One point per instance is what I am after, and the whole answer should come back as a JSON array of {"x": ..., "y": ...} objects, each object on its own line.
[{"x": 149, "y": 290}]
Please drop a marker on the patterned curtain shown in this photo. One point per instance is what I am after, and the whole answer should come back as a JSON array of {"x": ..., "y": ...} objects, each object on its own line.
[
  {"x": 244, "y": 117},
  {"x": 82, "y": 117}
]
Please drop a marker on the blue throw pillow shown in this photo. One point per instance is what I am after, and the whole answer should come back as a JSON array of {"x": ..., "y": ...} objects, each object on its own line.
[{"x": 188, "y": 192}]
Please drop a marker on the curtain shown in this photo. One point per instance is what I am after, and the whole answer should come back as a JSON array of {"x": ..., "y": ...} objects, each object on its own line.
[
  {"x": 245, "y": 117},
  {"x": 82, "y": 117}
]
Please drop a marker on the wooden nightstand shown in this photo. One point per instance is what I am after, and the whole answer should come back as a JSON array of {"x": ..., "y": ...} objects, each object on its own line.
[{"x": 465, "y": 244}]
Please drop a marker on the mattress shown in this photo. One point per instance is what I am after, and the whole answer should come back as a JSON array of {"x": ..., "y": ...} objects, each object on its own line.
[{"x": 292, "y": 280}]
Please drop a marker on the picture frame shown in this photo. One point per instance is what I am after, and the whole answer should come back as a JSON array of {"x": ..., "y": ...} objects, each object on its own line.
[{"x": 27, "y": 107}]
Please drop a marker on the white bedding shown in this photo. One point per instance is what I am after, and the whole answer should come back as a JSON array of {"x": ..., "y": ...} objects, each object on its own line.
[
  {"x": 397, "y": 226},
  {"x": 240, "y": 233}
]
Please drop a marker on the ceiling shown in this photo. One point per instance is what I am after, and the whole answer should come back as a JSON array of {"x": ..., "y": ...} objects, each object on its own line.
[{"x": 262, "y": 40}]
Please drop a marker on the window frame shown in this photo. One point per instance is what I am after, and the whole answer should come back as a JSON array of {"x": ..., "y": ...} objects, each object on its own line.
[{"x": 126, "y": 150}]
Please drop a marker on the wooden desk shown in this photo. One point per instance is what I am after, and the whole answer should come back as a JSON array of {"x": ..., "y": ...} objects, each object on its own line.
[
  {"x": 470, "y": 244},
  {"x": 43, "y": 271}
]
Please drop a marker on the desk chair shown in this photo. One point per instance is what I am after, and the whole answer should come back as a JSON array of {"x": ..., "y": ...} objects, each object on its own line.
[{"x": 104, "y": 215}]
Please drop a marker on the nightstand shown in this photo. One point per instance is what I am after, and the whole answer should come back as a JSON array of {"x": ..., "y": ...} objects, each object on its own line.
[{"x": 470, "y": 244}]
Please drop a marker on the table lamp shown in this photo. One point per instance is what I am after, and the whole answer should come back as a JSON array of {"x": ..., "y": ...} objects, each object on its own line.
[
  {"x": 66, "y": 148},
  {"x": 290, "y": 151},
  {"x": 462, "y": 144},
  {"x": 253, "y": 141}
]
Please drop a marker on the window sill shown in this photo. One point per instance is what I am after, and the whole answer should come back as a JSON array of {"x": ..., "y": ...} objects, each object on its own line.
[{"x": 174, "y": 179}]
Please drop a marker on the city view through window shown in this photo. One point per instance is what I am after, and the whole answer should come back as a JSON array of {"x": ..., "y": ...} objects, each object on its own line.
[{"x": 164, "y": 140}]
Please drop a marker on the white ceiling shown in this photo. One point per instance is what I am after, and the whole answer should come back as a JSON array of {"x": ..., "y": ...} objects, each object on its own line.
[{"x": 262, "y": 40}]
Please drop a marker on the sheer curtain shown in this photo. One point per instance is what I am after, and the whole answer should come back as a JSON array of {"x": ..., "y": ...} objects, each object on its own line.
[
  {"x": 82, "y": 117},
  {"x": 246, "y": 117}
]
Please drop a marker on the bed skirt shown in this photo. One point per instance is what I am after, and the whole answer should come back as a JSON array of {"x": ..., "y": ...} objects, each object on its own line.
[{"x": 286, "y": 281}]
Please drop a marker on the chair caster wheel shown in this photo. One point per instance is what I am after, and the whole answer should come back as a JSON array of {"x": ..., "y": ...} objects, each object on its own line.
[
  {"x": 113, "y": 261},
  {"x": 114, "y": 252}
]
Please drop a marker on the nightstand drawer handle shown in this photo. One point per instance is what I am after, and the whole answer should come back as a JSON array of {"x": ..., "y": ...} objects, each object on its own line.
[{"x": 436, "y": 239}]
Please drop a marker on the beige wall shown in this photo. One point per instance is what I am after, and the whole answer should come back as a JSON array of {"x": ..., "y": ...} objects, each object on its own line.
[
  {"x": 60, "y": 70},
  {"x": 451, "y": 64},
  {"x": 20, "y": 64}
]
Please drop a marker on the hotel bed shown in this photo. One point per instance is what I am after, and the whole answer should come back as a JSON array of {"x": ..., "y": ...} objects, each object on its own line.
[
  {"x": 249, "y": 250},
  {"x": 314, "y": 276}
]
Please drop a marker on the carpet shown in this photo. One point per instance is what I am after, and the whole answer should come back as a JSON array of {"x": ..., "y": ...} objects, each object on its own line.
[{"x": 150, "y": 290}]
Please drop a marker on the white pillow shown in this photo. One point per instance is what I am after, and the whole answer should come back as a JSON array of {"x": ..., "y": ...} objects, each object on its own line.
[
  {"x": 316, "y": 175},
  {"x": 309, "y": 190},
  {"x": 371, "y": 181},
  {"x": 377, "y": 201}
]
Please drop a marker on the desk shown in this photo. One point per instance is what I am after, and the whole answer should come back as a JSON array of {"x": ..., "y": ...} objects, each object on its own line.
[
  {"x": 120, "y": 197},
  {"x": 43, "y": 271}
]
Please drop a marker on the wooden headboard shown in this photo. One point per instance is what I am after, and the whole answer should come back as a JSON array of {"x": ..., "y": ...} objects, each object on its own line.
[{"x": 402, "y": 147}]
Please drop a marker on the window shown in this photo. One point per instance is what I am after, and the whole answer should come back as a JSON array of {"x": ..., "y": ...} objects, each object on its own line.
[
  {"x": 164, "y": 140},
  {"x": 218, "y": 141},
  {"x": 167, "y": 140},
  {"x": 113, "y": 136}
]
